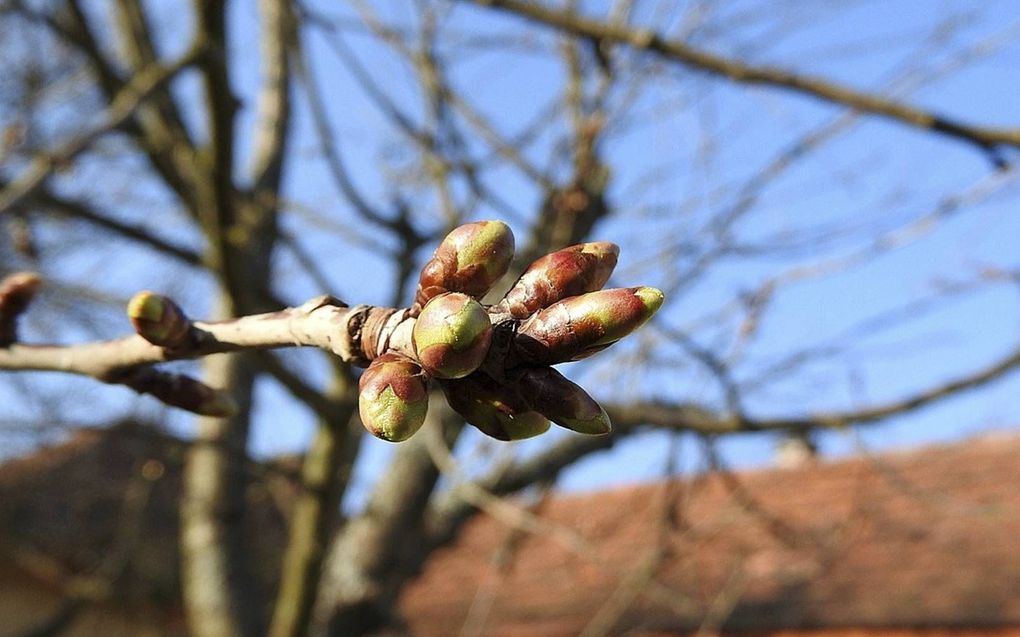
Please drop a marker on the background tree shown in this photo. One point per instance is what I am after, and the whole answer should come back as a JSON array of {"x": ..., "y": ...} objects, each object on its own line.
[{"x": 805, "y": 206}]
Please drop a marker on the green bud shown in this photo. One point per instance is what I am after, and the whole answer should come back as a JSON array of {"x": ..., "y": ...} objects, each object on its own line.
[
  {"x": 580, "y": 326},
  {"x": 393, "y": 397},
  {"x": 469, "y": 260},
  {"x": 451, "y": 335},
  {"x": 563, "y": 402},
  {"x": 496, "y": 410},
  {"x": 568, "y": 272},
  {"x": 157, "y": 319}
]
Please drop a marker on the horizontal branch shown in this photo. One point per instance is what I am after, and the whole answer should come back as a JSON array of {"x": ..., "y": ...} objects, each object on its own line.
[
  {"x": 318, "y": 323},
  {"x": 691, "y": 418},
  {"x": 647, "y": 40},
  {"x": 122, "y": 107},
  {"x": 628, "y": 419}
]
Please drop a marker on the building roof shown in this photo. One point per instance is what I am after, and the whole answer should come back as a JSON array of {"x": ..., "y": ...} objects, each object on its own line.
[
  {"x": 924, "y": 539},
  {"x": 105, "y": 502}
]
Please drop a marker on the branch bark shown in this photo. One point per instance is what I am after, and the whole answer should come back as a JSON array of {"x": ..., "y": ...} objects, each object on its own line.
[
  {"x": 353, "y": 334},
  {"x": 985, "y": 138},
  {"x": 374, "y": 553},
  {"x": 324, "y": 476}
]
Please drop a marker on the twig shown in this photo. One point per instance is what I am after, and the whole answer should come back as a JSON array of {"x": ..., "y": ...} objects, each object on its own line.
[{"x": 122, "y": 107}]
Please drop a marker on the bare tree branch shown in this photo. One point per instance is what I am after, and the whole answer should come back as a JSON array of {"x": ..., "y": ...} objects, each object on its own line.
[
  {"x": 324, "y": 476},
  {"x": 985, "y": 138},
  {"x": 122, "y": 107},
  {"x": 274, "y": 97}
]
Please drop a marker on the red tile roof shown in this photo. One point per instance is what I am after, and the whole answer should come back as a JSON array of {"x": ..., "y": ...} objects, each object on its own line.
[
  {"x": 67, "y": 507},
  {"x": 929, "y": 538}
]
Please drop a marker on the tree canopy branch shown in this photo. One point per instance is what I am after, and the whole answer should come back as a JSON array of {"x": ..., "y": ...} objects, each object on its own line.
[{"x": 646, "y": 40}]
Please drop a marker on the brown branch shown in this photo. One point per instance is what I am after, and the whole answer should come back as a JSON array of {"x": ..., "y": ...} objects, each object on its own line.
[
  {"x": 693, "y": 418},
  {"x": 16, "y": 293},
  {"x": 448, "y": 517},
  {"x": 164, "y": 121},
  {"x": 322, "y": 322},
  {"x": 324, "y": 477},
  {"x": 77, "y": 209},
  {"x": 328, "y": 142},
  {"x": 122, "y": 107},
  {"x": 375, "y": 553},
  {"x": 170, "y": 156},
  {"x": 985, "y": 138},
  {"x": 273, "y": 122}
]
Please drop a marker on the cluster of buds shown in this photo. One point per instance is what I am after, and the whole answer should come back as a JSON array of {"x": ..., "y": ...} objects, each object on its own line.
[{"x": 493, "y": 362}]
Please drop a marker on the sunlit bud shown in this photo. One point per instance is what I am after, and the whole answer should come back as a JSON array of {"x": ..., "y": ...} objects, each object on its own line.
[
  {"x": 16, "y": 293},
  {"x": 157, "y": 319},
  {"x": 469, "y": 260},
  {"x": 582, "y": 325},
  {"x": 496, "y": 410},
  {"x": 563, "y": 402},
  {"x": 568, "y": 272},
  {"x": 393, "y": 397},
  {"x": 451, "y": 336}
]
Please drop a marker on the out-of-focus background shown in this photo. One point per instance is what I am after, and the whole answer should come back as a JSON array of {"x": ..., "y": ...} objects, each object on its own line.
[{"x": 816, "y": 433}]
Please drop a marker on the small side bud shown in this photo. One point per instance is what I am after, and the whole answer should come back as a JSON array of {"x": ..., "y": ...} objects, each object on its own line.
[
  {"x": 496, "y": 410},
  {"x": 17, "y": 292},
  {"x": 393, "y": 398},
  {"x": 583, "y": 325},
  {"x": 563, "y": 402},
  {"x": 469, "y": 260},
  {"x": 157, "y": 319},
  {"x": 218, "y": 405},
  {"x": 568, "y": 272},
  {"x": 184, "y": 392},
  {"x": 451, "y": 336}
]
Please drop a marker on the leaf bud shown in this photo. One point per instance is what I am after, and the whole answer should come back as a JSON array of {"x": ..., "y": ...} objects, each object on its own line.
[
  {"x": 568, "y": 272},
  {"x": 157, "y": 319},
  {"x": 393, "y": 397},
  {"x": 469, "y": 260},
  {"x": 496, "y": 410},
  {"x": 563, "y": 402},
  {"x": 580, "y": 326},
  {"x": 451, "y": 336}
]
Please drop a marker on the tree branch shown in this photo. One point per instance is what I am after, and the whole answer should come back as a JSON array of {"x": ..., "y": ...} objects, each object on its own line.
[
  {"x": 324, "y": 477},
  {"x": 350, "y": 333},
  {"x": 985, "y": 138},
  {"x": 122, "y": 107},
  {"x": 273, "y": 120}
]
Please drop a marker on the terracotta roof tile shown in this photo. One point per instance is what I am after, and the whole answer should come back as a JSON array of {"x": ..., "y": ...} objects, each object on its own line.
[{"x": 927, "y": 538}]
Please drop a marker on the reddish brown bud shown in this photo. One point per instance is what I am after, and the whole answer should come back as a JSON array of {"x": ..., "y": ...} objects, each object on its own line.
[
  {"x": 568, "y": 272},
  {"x": 16, "y": 293},
  {"x": 157, "y": 319},
  {"x": 469, "y": 260},
  {"x": 393, "y": 397},
  {"x": 496, "y": 410},
  {"x": 563, "y": 402},
  {"x": 582, "y": 325},
  {"x": 451, "y": 335}
]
